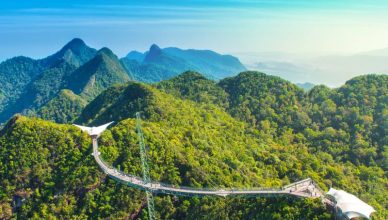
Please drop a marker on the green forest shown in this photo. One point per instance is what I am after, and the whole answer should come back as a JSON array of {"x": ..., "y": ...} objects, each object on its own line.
[{"x": 250, "y": 130}]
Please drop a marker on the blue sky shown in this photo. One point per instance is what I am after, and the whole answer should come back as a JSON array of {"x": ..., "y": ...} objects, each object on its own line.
[{"x": 38, "y": 28}]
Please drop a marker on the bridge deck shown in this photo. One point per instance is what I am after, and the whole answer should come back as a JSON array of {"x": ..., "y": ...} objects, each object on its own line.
[{"x": 304, "y": 188}]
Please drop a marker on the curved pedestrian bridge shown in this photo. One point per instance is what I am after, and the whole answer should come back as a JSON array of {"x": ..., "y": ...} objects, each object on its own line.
[{"x": 304, "y": 188}]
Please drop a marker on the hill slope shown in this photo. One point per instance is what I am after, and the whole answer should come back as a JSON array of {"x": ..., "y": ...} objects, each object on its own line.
[
  {"x": 38, "y": 91},
  {"x": 351, "y": 121},
  {"x": 64, "y": 108},
  {"x": 348, "y": 122},
  {"x": 264, "y": 100},
  {"x": 15, "y": 74}
]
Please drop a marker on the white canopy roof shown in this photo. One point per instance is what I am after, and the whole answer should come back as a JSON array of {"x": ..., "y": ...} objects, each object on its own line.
[
  {"x": 94, "y": 131},
  {"x": 350, "y": 205}
]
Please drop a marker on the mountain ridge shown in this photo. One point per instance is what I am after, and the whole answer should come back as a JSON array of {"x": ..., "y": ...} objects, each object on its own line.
[
  {"x": 98, "y": 74},
  {"x": 75, "y": 52},
  {"x": 31, "y": 83},
  {"x": 171, "y": 61}
]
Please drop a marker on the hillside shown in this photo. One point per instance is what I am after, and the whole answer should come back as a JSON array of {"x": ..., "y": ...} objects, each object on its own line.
[
  {"x": 270, "y": 104},
  {"x": 159, "y": 64},
  {"x": 53, "y": 174},
  {"x": 348, "y": 122},
  {"x": 38, "y": 91},
  {"x": 191, "y": 142},
  {"x": 100, "y": 103},
  {"x": 15, "y": 74},
  {"x": 351, "y": 122},
  {"x": 290, "y": 138},
  {"x": 266, "y": 102},
  {"x": 64, "y": 108}
]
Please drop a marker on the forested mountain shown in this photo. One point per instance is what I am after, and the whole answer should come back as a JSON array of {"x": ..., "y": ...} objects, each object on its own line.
[
  {"x": 248, "y": 130},
  {"x": 264, "y": 101},
  {"x": 194, "y": 86},
  {"x": 103, "y": 71},
  {"x": 76, "y": 53},
  {"x": 350, "y": 122},
  {"x": 17, "y": 73},
  {"x": 159, "y": 64},
  {"x": 77, "y": 67},
  {"x": 46, "y": 169},
  {"x": 28, "y": 82}
]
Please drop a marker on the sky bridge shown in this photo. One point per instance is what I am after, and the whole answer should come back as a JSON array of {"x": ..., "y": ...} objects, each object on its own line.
[
  {"x": 349, "y": 207},
  {"x": 305, "y": 188}
]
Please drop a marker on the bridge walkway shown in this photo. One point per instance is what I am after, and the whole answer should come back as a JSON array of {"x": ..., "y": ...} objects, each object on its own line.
[{"x": 306, "y": 188}]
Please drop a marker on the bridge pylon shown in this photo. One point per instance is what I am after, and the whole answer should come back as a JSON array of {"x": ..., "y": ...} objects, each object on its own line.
[{"x": 145, "y": 168}]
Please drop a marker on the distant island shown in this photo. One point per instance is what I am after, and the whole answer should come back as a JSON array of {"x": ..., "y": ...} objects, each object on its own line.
[{"x": 306, "y": 86}]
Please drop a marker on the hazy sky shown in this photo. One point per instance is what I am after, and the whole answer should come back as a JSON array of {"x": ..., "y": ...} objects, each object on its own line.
[{"x": 38, "y": 28}]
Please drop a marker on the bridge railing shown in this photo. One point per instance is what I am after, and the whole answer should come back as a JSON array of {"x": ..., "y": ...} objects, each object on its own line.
[
  {"x": 172, "y": 186},
  {"x": 319, "y": 189},
  {"x": 298, "y": 183},
  {"x": 154, "y": 185},
  {"x": 257, "y": 189},
  {"x": 121, "y": 173}
]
